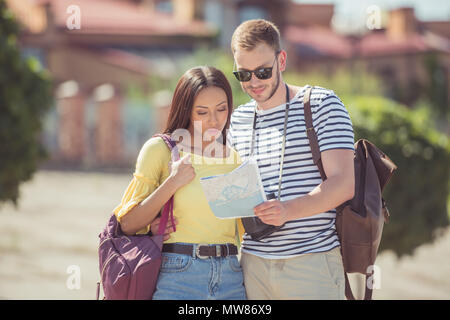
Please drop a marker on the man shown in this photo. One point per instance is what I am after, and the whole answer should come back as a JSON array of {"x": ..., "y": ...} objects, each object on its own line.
[{"x": 301, "y": 260}]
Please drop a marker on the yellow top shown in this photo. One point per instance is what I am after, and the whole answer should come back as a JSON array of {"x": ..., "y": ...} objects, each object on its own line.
[{"x": 196, "y": 221}]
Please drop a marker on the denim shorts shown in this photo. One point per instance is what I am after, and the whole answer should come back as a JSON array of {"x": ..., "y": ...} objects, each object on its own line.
[{"x": 184, "y": 277}]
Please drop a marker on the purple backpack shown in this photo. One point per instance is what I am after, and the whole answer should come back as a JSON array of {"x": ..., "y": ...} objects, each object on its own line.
[{"x": 129, "y": 265}]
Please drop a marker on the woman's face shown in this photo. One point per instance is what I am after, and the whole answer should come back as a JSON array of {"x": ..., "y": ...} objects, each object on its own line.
[{"x": 209, "y": 113}]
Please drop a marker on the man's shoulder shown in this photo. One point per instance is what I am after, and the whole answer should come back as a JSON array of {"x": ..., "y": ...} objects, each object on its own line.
[
  {"x": 320, "y": 97},
  {"x": 243, "y": 111},
  {"x": 318, "y": 93},
  {"x": 249, "y": 106}
]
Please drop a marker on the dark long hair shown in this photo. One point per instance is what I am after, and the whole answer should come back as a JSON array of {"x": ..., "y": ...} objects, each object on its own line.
[{"x": 187, "y": 89}]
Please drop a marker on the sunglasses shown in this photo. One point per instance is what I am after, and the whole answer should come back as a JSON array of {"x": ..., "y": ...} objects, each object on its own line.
[{"x": 261, "y": 73}]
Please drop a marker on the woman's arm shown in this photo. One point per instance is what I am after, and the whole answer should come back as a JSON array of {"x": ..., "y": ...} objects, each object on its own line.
[{"x": 146, "y": 211}]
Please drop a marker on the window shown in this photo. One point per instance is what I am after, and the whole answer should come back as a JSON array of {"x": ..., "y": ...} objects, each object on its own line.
[{"x": 164, "y": 6}]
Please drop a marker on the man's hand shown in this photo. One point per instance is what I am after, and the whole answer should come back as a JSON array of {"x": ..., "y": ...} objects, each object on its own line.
[
  {"x": 272, "y": 212},
  {"x": 169, "y": 228}
]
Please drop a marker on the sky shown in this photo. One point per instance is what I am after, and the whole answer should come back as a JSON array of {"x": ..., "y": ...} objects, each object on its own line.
[{"x": 351, "y": 15}]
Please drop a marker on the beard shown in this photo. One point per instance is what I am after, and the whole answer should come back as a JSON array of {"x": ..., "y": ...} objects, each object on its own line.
[
  {"x": 272, "y": 92},
  {"x": 275, "y": 88}
]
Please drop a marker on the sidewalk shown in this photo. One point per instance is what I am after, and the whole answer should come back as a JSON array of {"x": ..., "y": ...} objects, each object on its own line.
[{"x": 61, "y": 214}]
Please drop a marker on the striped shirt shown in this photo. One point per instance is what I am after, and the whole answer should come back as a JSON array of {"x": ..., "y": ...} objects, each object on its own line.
[{"x": 300, "y": 175}]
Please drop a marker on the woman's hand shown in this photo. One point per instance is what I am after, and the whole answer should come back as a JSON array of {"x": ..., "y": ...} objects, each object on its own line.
[
  {"x": 169, "y": 227},
  {"x": 182, "y": 172}
]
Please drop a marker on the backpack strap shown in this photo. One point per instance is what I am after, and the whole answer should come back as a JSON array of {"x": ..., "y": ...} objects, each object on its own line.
[
  {"x": 311, "y": 133},
  {"x": 315, "y": 150},
  {"x": 368, "y": 292},
  {"x": 348, "y": 289},
  {"x": 170, "y": 144},
  {"x": 168, "y": 207}
]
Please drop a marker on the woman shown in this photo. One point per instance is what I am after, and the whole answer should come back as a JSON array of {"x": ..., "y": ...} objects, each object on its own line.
[{"x": 200, "y": 257}]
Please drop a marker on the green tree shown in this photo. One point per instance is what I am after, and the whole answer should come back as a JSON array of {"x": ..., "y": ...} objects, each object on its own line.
[
  {"x": 435, "y": 92},
  {"x": 25, "y": 97}
]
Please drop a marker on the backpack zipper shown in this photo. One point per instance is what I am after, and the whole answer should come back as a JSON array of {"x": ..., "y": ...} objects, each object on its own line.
[
  {"x": 101, "y": 243},
  {"x": 106, "y": 263},
  {"x": 101, "y": 274}
]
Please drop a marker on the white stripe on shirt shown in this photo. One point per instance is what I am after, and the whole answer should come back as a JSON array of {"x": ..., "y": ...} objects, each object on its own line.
[{"x": 300, "y": 175}]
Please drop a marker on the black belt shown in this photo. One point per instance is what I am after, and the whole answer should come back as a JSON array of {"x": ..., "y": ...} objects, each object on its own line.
[{"x": 202, "y": 251}]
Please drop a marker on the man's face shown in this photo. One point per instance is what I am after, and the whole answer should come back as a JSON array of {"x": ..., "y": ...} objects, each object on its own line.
[{"x": 262, "y": 56}]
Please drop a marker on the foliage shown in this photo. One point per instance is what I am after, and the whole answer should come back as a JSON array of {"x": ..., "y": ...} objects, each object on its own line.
[
  {"x": 417, "y": 194},
  {"x": 25, "y": 96},
  {"x": 342, "y": 81},
  {"x": 436, "y": 89}
]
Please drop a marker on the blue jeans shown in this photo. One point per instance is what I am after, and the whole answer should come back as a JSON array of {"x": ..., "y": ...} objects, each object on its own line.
[{"x": 184, "y": 277}]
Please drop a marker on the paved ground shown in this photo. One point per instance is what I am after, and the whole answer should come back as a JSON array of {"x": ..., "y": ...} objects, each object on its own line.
[{"x": 53, "y": 235}]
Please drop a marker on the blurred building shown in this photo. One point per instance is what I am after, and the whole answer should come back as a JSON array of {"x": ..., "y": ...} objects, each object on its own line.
[
  {"x": 119, "y": 43},
  {"x": 406, "y": 53},
  {"x": 226, "y": 15},
  {"x": 95, "y": 50}
]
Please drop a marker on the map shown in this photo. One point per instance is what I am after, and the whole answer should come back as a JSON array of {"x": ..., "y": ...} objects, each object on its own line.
[{"x": 234, "y": 194}]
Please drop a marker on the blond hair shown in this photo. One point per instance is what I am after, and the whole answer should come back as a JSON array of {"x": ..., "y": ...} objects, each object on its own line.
[{"x": 251, "y": 33}]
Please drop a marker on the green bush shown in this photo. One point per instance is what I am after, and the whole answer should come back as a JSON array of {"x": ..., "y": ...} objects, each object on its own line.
[
  {"x": 342, "y": 81},
  {"x": 25, "y": 96},
  {"x": 417, "y": 194}
]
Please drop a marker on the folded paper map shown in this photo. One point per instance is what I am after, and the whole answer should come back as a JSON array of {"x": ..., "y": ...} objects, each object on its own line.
[{"x": 235, "y": 194}]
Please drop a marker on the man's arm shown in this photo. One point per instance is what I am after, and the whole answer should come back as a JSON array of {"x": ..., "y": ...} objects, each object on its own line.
[{"x": 339, "y": 187}]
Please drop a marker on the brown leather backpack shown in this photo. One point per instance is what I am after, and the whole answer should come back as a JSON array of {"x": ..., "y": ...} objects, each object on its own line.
[{"x": 359, "y": 221}]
